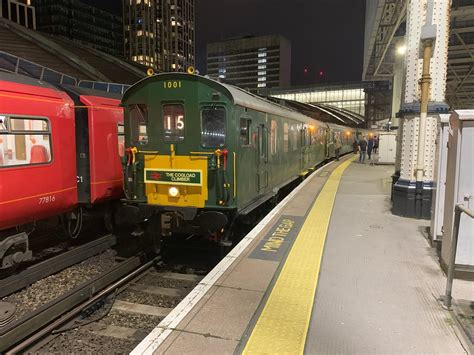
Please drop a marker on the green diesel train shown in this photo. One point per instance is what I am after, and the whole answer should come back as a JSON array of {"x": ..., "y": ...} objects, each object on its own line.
[{"x": 202, "y": 153}]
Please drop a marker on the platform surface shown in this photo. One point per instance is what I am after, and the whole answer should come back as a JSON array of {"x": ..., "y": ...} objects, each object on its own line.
[{"x": 377, "y": 289}]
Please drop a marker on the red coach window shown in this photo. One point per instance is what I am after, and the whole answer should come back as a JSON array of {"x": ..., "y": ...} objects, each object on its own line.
[{"x": 24, "y": 141}]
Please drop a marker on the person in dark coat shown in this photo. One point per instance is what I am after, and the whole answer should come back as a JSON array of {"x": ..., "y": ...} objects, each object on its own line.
[
  {"x": 376, "y": 144},
  {"x": 370, "y": 147},
  {"x": 362, "y": 149},
  {"x": 355, "y": 146}
]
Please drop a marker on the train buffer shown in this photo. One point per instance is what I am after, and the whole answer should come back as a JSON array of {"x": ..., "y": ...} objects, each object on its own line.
[{"x": 329, "y": 270}]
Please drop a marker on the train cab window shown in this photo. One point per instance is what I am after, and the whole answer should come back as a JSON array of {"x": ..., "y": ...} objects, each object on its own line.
[
  {"x": 173, "y": 122},
  {"x": 285, "y": 138},
  {"x": 24, "y": 141},
  {"x": 138, "y": 124},
  {"x": 245, "y": 131},
  {"x": 213, "y": 126}
]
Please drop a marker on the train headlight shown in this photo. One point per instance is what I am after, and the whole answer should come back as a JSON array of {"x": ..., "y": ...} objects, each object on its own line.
[{"x": 173, "y": 191}]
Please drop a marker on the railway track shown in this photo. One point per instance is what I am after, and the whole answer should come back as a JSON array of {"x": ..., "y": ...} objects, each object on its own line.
[{"x": 114, "y": 309}]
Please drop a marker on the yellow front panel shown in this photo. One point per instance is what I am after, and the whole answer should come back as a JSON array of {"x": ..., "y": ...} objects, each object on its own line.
[{"x": 189, "y": 196}]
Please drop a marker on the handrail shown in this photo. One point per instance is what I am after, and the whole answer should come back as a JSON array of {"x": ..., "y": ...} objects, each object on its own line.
[
  {"x": 14, "y": 64},
  {"x": 458, "y": 210}
]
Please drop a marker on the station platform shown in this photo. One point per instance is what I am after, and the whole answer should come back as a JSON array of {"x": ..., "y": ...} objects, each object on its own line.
[{"x": 329, "y": 271}]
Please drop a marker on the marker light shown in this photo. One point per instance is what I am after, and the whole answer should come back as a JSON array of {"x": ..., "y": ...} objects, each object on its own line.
[{"x": 173, "y": 191}]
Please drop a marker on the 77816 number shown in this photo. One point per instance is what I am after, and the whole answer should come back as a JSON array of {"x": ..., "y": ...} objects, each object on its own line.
[{"x": 47, "y": 199}]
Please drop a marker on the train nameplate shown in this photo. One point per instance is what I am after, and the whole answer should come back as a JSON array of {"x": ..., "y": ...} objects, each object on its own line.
[
  {"x": 278, "y": 240},
  {"x": 173, "y": 177}
]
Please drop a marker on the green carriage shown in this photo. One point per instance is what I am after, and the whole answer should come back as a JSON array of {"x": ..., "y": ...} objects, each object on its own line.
[{"x": 201, "y": 153}]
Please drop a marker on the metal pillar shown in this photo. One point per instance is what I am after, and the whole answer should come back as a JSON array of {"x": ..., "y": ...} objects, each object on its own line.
[{"x": 425, "y": 84}]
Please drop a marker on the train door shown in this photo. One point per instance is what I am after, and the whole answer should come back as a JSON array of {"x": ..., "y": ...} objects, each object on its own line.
[
  {"x": 304, "y": 148},
  {"x": 262, "y": 159}
]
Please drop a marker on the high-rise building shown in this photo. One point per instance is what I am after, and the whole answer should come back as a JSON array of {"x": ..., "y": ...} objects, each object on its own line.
[
  {"x": 140, "y": 36},
  {"x": 82, "y": 23},
  {"x": 160, "y": 33},
  {"x": 252, "y": 63}
]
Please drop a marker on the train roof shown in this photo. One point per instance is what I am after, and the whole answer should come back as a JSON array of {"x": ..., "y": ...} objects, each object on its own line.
[{"x": 238, "y": 96}]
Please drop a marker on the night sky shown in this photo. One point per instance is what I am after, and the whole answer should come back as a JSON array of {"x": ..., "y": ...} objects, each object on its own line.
[{"x": 326, "y": 35}]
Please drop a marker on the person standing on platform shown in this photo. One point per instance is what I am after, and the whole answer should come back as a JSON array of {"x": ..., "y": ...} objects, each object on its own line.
[
  {"x": 370, "y": 147},
  {"x": 362, "y": 149},
  {"x": 337, "y": 146},
  {"x": 355, "y": 146},
  {"x": 376, "y": 144}
]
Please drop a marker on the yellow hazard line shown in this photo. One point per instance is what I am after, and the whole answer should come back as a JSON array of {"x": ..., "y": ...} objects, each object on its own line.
[{"x": 284, "y": 321}]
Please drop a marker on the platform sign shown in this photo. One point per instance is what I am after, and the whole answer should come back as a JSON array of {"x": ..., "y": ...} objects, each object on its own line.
[
  {"x": 276, "y": 243},
  {"x": 174, "y": 177}
]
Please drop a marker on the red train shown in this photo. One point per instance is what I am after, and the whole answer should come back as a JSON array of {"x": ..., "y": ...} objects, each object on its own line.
[{"x": 59, "y": 153}]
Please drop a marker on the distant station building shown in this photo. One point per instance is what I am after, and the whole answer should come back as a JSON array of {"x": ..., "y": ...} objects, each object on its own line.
[
  {"x": 252, "y": 63},
  {"x": 370, "y": 100},
  {"x": 82, "y": 23},
  {"x": 160, "y": 34}
]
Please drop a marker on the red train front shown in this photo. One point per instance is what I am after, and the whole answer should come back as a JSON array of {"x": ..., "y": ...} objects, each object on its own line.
[{"x": 59, "y": 153}]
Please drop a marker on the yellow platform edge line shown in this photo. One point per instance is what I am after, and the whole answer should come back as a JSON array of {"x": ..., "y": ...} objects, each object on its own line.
[{"x": 283, "y": 324}]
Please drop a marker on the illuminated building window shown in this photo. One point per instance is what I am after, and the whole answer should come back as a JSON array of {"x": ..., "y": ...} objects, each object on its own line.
[
  {"x": 262, "y": 73},
  {"x": 264, "y": 60},
  {"x": 263, "y": 54},
  {"x": 262, "y": 78},
  {"x": 262, "y": 67}
]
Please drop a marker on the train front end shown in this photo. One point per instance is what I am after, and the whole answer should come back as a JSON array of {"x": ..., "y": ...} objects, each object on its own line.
[{"x": 178, "y": 169}]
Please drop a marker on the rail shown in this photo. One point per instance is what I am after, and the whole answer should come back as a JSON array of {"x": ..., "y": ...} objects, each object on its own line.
[
  {"x": 458, "y": 210},
  {"x": 104, "y": 86},
  {"x": 14, "y": 64},
  {"x": 30, "y": 329}
]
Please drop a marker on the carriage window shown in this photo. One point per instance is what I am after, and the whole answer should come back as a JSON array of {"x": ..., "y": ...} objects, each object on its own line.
[
  {"x": 314, "y": 135},
  {"x": 24, "y": 141},
  {"x": 138, "y": 123},
  {"x": 273, "y": 138},
  {"x": 3, "y": 123},
  {"x": 245, "y": 131},
  {"x": 173, "y": 122},
  {"x": 213, "y": 126},
  {"x": 294, "y": 139},
  {"x": 285, "y": 137}
]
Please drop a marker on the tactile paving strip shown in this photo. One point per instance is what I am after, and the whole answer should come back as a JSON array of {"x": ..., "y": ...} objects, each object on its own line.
[{"x": 284, "y": 321}]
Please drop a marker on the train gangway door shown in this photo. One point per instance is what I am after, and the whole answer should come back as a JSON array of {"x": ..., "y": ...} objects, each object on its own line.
[{"x": 262, "y": 159}]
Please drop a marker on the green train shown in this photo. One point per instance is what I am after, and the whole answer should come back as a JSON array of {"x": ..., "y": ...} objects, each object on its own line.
[{"x": 201, "y": 154}]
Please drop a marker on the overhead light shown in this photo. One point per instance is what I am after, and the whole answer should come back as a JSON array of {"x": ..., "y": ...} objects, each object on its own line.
[{"x": 401, "y": 49}]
